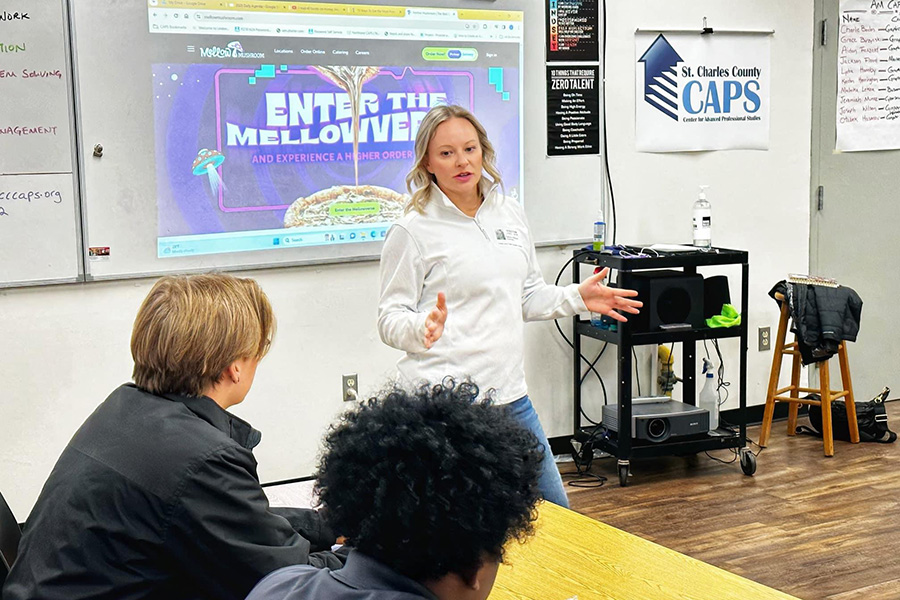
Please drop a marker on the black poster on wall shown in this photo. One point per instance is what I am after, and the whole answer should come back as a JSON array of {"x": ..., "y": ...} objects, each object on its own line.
[
  {"x": 572, "y": 31},
  {"x": 573, "y": 110}
]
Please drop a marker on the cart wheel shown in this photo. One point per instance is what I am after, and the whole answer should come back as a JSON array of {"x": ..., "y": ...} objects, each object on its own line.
[
  {"x": 748, "y": 462},
  {"x": 623, "y": 474}
]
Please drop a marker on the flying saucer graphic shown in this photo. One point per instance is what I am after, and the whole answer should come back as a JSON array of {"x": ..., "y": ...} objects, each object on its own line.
[{"x": 206, "y": 163}]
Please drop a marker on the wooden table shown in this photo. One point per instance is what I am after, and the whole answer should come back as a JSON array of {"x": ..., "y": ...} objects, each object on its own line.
[{"x": 573, "y": 557}]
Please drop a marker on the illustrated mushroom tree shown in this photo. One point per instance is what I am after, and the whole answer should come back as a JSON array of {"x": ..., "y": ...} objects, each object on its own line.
[{"x": 351, "y": 80}]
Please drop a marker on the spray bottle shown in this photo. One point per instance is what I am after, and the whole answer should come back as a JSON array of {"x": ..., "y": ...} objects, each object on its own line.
[
  {"x": 709, "y": 399},
  {"x": 702, "y": 220}
]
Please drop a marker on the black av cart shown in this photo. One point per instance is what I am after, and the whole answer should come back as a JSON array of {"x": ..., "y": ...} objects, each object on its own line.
[{"x": 620, "y": 443}]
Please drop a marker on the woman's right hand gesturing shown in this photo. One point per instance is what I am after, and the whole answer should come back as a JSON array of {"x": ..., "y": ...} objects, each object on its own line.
[{"x": 434, "y": 322}]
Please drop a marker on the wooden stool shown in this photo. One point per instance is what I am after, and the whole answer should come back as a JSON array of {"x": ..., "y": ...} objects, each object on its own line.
[{"x": 824, "y": 390}]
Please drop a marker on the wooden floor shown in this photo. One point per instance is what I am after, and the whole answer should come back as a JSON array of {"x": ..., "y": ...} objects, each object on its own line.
[{"x": 810, "y": 526}]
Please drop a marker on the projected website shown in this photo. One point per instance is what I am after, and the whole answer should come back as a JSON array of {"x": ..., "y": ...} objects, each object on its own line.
[{"x": 280, "y": 125}]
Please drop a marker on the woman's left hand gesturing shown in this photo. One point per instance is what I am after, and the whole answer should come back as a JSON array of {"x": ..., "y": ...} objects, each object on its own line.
[{"x": 607, "y": 300}]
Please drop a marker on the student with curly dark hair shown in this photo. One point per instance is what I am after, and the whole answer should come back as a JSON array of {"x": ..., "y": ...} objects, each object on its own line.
[{"x": 427, "y": 487}]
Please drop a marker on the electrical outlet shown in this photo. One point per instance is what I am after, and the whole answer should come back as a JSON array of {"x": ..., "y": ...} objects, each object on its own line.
[
  {"x": 765, "y": 340},
  {"x": 350, "y": 387}
]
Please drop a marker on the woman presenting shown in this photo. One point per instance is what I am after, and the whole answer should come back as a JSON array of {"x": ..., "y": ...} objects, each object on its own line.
[{"x": 459, "y": 276}]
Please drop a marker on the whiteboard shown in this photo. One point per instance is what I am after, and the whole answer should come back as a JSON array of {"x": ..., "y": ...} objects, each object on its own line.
[
  {"x": 39, "y": 220},
  {"x": 122, "y": 224},
  {"x": 38, "y": 240}
]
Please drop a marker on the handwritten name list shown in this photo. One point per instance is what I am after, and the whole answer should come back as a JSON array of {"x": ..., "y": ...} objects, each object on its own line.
[{"x": 868, "y": 69}]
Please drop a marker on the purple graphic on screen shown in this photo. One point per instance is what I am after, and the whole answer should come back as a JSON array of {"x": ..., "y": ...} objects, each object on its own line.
[
  {"x": 286, "y": 136},
  {"x": 207, "y": 163}
]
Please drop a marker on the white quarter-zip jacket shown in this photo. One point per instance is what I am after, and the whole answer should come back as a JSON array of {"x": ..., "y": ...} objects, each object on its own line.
[{"x": 488, "y": 269}]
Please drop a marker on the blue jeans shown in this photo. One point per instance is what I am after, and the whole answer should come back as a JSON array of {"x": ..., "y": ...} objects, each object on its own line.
[{"x": 550, "y": 483}]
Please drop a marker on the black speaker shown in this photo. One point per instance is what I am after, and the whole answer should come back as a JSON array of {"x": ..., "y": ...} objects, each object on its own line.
[
  {"x": 715, "y": 295},
  {"x": 669, "y": 297}
]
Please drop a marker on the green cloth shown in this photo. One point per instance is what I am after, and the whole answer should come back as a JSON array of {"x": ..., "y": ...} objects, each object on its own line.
[{"x": 729, "y": 318}]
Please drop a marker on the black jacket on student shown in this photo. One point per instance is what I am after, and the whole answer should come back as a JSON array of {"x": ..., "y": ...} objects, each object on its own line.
[{"x": 158, "y": 498}]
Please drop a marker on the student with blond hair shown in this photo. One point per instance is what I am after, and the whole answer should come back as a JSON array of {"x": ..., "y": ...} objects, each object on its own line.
[
  {"x": 157, "y": 495},
  {"x": 460, "y": 277}
]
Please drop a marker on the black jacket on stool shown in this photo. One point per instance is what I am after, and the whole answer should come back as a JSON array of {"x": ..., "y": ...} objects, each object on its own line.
[
  {"x": 822, "y": 317},
  {"x": 158, "y": 498}
]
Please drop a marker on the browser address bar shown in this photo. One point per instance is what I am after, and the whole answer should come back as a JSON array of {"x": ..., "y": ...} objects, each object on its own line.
[{"x": 327, "y": 20}]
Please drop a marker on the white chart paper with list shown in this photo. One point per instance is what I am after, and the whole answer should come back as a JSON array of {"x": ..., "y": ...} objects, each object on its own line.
[{"x": 868, "y": 84}]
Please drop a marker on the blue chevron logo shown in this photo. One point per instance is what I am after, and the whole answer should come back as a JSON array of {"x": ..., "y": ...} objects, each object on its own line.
[{"x": 660, "y": 83}]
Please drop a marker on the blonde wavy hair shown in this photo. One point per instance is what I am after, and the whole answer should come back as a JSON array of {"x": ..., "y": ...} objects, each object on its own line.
[
  {"x": 419, "y": 181},
  {"x": 190, "y": 328}
]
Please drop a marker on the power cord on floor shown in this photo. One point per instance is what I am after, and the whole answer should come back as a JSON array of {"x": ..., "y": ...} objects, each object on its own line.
[
  {"x": 734, "y": 456},
  {"x": 735, "y": 451},
  {"x": 583, "y": 458},
  {"x": 586, "y": 479}
]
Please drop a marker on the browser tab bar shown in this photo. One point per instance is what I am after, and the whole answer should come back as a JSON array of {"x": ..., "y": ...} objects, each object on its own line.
[{"x": 431, "y": 13}]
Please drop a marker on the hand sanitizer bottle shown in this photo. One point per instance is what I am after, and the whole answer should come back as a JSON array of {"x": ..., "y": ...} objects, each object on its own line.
[
  {"x": 709, "y": 399},
  {"x": 702, "y": 217},
  {"x": 599, "y": 232}
]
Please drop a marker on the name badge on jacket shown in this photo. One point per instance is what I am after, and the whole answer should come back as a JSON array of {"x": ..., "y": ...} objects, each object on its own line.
[{"x": 509, "y": 237}]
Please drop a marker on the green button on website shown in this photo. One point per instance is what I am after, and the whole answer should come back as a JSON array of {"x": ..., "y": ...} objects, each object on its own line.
[{"x": 432, "y": 53}]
